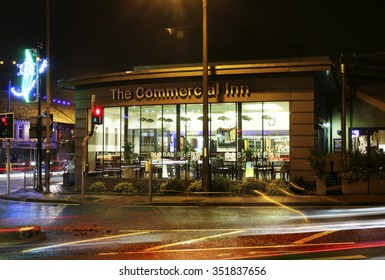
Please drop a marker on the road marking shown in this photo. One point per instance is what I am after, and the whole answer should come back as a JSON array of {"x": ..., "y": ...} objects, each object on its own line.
[
  {"x": 192, "y": 240},
  {"x": 262, "y": 248},
  {"x": 353, "y": 257},
  {"x": 190, "y": 230},
  {"x": 314, "y": 236},
  {"x": 83, "y": 241}
]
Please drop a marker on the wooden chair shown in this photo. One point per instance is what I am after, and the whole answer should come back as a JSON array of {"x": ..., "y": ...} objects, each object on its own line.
[
  {"x": 264, "y": 171},
  {"x": 221, "y": 168},
  {"x": 284, "y": 171}
]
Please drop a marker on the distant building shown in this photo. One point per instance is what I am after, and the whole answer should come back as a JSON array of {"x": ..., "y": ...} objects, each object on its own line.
[{"x": 23, "y": 147}]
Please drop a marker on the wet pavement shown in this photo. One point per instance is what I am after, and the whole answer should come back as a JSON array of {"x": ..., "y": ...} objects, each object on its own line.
[{"x": 196, "y": 199}]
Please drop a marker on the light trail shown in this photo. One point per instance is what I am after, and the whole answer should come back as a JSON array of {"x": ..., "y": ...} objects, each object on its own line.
[
  {"x": 260, "y": 251},
  {"x": 313, "y": 237},
  {"x": 319, "y": 248},
  {"x": 280, "y": 204},
  {"x": 192, "y": 240},
  {"x": 347, "y": 212},
  {"x": 82, "y": 242}
]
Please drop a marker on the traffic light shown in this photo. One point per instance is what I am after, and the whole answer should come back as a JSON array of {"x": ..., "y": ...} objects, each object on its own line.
[
  {"x": 6, "y": 126},
  {"x": 97, "y": 116},
  {"x": 239, "y": 134}
]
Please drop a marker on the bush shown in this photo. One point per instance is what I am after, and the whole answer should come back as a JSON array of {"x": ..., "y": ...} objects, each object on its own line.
[
  {"x": 246, "y": 187},
  {"x": 195, "y": 186},
  {"x": 220, "y": 184},
  {"x": 155, "y": 185},
  {"x": 317, "y": 161},
  {"x": 172, "y": 185},
  {"x": 278, "y": 188},
  {"x": 356, "y": 167},
  {"x": 236, "y": 188},
  {"x": 98, "y": 187},
  {"x": 125, "y": 187}
]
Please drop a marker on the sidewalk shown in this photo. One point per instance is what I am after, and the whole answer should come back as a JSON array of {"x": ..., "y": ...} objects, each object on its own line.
[{"x": 196, "y": 199}]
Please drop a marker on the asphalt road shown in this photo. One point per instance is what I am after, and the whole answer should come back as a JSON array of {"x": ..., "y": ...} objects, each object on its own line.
[
  {"x": 100, "y": 231},
  {"x": 25, "y": 180}
]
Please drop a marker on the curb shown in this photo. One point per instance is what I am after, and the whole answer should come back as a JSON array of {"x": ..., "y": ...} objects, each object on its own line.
[
  {"x": 202, "y": 202},
  {"x": 40, "y": 200}
]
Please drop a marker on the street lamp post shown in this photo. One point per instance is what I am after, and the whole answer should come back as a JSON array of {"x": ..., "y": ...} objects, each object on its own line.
[
  {"x": 205, "y": 128},
  {"x": 39, "y": 186},
  {"x": 48, "y": 101}
]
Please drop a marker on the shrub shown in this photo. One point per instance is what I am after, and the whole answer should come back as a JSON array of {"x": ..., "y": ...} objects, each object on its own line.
[
  {"x": 236, "y": 188},
  {"x": 278, "y": 188},
  {"x": 220, "y": 184},
  {"x": 172, "y": 185},
  {"x": 356, "y": 167},
  {"x": 155, "y": 185},
  {"x": 247, "y": 186},
  {"x": 195, "y": 186},
  {"x": 317, "y": 161},
  {"x": 251, "y": 184},
  {"x": 98, "y": 187},
  {"x": 125, "y": 187}
]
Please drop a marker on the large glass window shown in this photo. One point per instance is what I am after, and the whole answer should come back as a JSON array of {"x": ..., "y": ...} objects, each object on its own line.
[
  {"x": 223, "y": 128},
  {"x": 171, "y": 137},
  {"x": 104, "y": 146},
  {"x": 265, "y": 129},
  {"x": 364, "y": 140}
]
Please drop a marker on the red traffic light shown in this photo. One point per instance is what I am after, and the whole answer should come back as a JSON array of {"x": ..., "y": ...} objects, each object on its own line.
[
  {"x": 98, "y": 111},
  {"x": 6, "y": 126},
  {"x": 97, "y": 116}
]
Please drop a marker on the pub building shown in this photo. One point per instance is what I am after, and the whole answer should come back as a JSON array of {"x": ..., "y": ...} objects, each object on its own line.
[{"x": 262, "y": 114}]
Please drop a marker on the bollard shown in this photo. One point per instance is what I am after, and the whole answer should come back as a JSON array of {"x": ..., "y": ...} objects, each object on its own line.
[
  {"x": 34, "y": 179},
  {"x": 149, "y": 181},
  {"x": 25, "y": 180}
]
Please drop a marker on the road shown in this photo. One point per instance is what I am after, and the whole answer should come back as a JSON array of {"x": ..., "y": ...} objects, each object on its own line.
[
  {"x": 20, "y": 180},
  {"x": 99, "y": 231}
]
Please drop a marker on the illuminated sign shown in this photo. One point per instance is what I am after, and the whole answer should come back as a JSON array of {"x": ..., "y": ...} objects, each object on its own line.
[
  {"x": 183, "y": 92},
  {"x": 28, "y": 71}
]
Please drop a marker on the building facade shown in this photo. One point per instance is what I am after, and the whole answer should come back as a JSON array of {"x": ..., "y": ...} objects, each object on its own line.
[{"x": 260, "y": 114}]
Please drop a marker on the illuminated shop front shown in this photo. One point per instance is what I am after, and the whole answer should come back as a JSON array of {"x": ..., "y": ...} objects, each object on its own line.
[
  {"x": 168, "y": 133},
  {"x": 259, "y": 114}
]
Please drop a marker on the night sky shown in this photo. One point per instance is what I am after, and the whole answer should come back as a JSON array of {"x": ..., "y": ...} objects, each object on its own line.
[{"x": 93, "y": 36}]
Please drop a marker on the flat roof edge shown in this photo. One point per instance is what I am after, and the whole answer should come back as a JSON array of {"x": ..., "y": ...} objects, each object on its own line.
[{"x": 310, "y": 64}]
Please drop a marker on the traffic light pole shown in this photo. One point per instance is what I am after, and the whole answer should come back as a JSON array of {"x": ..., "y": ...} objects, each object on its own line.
[
  {"x": 85, "y": 146},
  {"x": 39, "y": 185},
  {"x": 205, "y": 126},
  {"x": 8, "y": 147},
  {"x": 48, "y": 104}
]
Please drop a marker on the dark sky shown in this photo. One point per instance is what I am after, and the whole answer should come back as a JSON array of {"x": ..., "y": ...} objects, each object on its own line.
[{"x": 101, "y": 36}]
